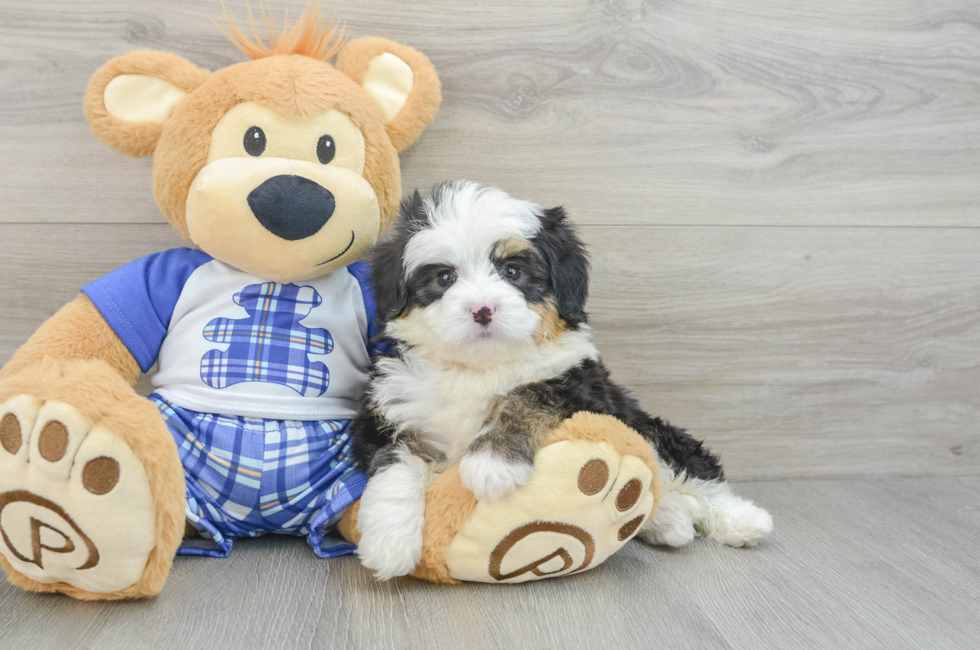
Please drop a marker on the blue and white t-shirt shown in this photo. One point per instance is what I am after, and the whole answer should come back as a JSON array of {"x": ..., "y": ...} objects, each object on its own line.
[{"x": 232, "y": 344}]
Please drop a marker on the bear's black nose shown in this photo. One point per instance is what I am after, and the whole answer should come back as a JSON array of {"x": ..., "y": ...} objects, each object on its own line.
[{"x": 291, "y": 207}]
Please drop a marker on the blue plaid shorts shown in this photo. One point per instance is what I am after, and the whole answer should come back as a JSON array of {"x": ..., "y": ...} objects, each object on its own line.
[{"x": 249, "y": 476}]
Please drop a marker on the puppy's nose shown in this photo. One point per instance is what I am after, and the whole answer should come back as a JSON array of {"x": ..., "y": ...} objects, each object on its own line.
[
  {"x": 291, "y": 207},
  {"x": 483, "y": 315}
]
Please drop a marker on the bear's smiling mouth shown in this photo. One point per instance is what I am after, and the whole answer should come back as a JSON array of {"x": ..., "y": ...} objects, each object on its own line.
[{"x": 341, "y": 252}]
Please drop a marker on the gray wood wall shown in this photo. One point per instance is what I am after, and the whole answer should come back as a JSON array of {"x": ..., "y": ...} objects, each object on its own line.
[{"x": 783, "y": 204}]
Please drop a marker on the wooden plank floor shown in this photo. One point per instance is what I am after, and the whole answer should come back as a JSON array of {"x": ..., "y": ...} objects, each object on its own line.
[
  {"x": 861, "y": 563},
  {"x": 783, "y": 203}
]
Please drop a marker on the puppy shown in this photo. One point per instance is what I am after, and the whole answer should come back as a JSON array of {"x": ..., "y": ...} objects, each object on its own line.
[{"x": 483, "y": 296}]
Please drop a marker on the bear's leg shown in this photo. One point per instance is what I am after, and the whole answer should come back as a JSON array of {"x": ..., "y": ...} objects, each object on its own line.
[
  {"x": 595, "y": 483},
  {"x": 91, "y": 487}
]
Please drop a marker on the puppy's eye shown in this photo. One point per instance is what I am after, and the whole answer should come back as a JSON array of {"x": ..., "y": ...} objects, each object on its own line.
[
  {"x": 254, "y": 141},
  {"x": 326, "y": 149},
  {"x": 446, "y": 278},
  {"x": 512, "y": 272}
]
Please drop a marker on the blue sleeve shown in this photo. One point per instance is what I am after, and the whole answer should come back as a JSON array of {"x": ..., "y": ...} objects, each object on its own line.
[
  {"x": 137, "y": 300},
  {"x": 362, "y": 273}
]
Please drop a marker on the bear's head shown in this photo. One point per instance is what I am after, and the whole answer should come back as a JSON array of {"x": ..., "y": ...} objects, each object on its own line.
[{"x": 283, "y": 166}]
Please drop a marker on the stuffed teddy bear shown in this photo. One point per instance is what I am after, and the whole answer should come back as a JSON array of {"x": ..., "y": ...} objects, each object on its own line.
[{"x": 281, "y": 172}]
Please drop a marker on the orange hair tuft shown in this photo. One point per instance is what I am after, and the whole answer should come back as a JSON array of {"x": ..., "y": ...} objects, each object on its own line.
[{"x": 309, "y": 36}]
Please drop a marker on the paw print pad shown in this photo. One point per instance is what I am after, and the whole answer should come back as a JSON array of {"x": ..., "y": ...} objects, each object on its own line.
[
  {"x": 75, "y": 502},
  {"x": 581, "y": 504},
  {"x": 592, "y": 479},
  {"x": 270, "y": 345}
]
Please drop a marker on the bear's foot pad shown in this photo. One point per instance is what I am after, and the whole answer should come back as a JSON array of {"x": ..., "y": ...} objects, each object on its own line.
[
  {"x": 75, "y": 502},
  {"x": 596, "y": 499}
]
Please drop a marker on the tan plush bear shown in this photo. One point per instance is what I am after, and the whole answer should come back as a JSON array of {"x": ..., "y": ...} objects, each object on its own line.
[{"x": 280, "y": 172}]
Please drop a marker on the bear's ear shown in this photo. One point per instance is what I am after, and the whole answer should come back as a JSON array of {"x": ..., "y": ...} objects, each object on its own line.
[
  {"x": 130, "y": 97},
  {"x": 401, "y": 80}
]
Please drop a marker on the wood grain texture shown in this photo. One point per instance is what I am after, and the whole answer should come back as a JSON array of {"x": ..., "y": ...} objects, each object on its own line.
[
  {"x": 783, "y": 205},
  {"x": 852, "y": 564},
  {"x": 628, "y": 111},
  {"x": 795, "y": 352}
]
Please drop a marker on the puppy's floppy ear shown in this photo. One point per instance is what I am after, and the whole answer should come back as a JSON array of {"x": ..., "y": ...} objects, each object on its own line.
[
  {"x": 388, "y": 280},
  {"x": 129, "y": 98},
  {"x": 387, "y": 269},
  {"x": 565, "y": 253},
  {"x": 400, "y": 79}
]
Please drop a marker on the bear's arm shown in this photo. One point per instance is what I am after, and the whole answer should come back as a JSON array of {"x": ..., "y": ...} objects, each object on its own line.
[{"x": 76, "y": 331}]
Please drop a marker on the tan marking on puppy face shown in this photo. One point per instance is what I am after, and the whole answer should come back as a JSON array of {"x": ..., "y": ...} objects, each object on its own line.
[
  {"x": 406, "y": 312},
  {"x": 551, "y": 325},
  {"x": 511, "y": 247}
]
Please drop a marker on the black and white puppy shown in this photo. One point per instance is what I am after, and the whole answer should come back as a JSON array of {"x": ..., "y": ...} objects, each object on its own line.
[{"x": 484, "y": 297}]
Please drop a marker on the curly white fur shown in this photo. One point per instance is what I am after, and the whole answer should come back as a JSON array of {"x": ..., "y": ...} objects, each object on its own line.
[
  {"x": 491, "y": 476},
  {"x": 708, "y": 507}
]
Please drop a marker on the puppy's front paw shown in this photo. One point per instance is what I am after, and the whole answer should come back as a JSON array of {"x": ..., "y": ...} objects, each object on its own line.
[
  {"x": 391, "y": 519},
  {"x": 389, "y": 545},
  {"x": 390, "y": 553},
  {"x": 491, "y": 476}
]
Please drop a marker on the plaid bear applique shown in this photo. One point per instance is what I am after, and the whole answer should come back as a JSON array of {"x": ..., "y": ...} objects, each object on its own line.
[{"x": 270, "y": 345}]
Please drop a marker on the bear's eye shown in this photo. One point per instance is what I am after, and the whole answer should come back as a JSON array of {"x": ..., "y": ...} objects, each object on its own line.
[
  {"x": 254, "y": 141},
  {"x": 325, "y": 149}
]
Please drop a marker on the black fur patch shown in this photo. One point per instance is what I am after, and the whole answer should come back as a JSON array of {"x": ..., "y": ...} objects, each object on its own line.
[
  {"x": 565, "y": 254},
  {"x": 588, "y": 387},
  {"x": 387, "y": 265},
  {"x": 534, "y": 279},
  {"x": 423, "y": 286},
  {"x": 370, "y": 434}
]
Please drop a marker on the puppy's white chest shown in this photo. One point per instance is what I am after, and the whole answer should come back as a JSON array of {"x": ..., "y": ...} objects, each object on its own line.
[{"x": 446, "y": 406}]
